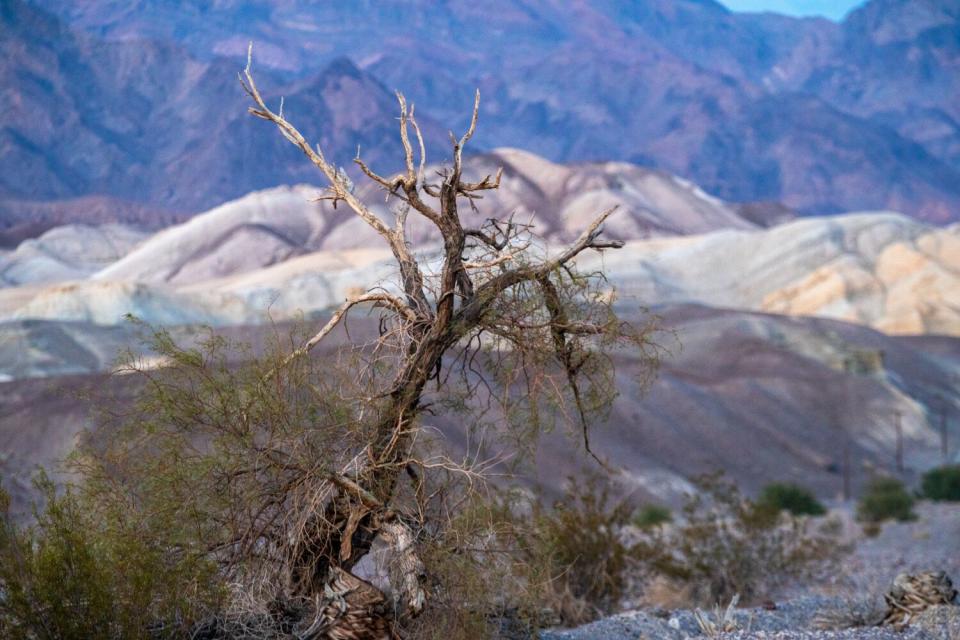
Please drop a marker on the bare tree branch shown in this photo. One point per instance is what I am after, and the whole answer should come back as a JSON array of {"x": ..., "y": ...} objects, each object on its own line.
[
  {"x": 337, "y": 184},
  {"x": 410, "y": 270},
  {"x": 493, "y": 298},
  {"x": 472, "y": 311},
  {"x": 485, "y": 184},
  {"x": 338, "y": 315}
]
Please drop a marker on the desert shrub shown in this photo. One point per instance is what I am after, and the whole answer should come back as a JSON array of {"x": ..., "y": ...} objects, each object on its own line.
[
  {"x": 651, "y": 515},
  {"x": 884, "y": 499},
  {"x": 580, "y": 543},
  {"x": 206, "y": 453},
  {"x": 484, "y": 578},
  {"x": 512, "y": 564},
  {"x": 942, "y": 483},
  {"x": 52, "y": 586},
  {"x": 725, "y": 544},
  {"x": 785, "y": 496},
  {"x": 70, "y": 576}
]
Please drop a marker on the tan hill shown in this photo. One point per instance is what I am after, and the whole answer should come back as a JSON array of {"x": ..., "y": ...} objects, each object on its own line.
[
  {"x": 258, "y": 230},
  {"x": 879, "y": 269},
  {"x": 280, "y": 250},
  {"x": 563, "y": 198},
  {"x": 277, "y": 253},
  {"x": 268, "y": 227},
  {"x": 110, "y": 302},
  {"x": 244, "y": 263}
]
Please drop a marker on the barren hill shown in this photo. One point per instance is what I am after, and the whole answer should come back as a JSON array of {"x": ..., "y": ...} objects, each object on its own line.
[
  {"x": 733, "y": 382},
  {"x": 276, "y": 254},
  {"x": 880, "y": 269}
]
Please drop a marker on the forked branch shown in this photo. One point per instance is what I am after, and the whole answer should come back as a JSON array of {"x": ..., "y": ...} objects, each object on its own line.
[
  {"x": 379, "y": 299},
  {"x": 338, "y": 182}
]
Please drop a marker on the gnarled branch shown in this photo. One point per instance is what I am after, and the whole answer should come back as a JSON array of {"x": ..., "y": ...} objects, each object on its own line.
[{"x": 409, "y": 269}]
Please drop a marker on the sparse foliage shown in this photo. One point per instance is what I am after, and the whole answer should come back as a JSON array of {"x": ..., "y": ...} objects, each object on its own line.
[
  {"x": 785, "y": 496},
  {"x": 884, "y": 499},
  {"x": 587, "y": 558},
  {"x": 73, "y": 575}
]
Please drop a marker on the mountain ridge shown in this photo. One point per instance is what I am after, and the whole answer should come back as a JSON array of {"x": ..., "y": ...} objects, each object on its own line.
[{"x": 758, "y": 107}]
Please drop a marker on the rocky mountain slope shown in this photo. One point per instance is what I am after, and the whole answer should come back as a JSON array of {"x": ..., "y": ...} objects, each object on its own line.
[
  {"x": 268, "y": 227},
  {"x": 145, "y": 121},
  {"x": 143, "y": 102}
]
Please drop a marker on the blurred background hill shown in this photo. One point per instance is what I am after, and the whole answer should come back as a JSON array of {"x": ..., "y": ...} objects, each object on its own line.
[{"x": 139, "y": 101}]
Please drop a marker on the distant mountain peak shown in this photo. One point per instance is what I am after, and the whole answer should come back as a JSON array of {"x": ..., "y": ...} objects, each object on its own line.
[
  {"x": 889, "y": 21},
  {"x": 754, "y": 107},
  {"x": 342, "y": 66}
]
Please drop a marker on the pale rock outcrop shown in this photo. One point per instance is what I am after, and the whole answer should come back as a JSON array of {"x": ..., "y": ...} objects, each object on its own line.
[
  {"x": 880, "y": 269},
  {"x": 69, "y": 252}
]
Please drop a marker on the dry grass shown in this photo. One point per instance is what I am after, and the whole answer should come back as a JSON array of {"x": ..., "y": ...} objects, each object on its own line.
[{"x": 723, "y": 620}]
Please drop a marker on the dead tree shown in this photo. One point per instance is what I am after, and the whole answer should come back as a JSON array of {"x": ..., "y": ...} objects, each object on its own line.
[{"x": 496, "y": 284}]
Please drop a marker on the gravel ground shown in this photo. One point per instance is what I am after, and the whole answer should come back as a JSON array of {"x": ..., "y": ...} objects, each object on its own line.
[
  {"x": 790, "y": 621},
  {"x": 931, "y": 542}
]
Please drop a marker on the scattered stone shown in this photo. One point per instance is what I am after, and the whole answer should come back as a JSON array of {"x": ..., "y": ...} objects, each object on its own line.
[{"x": 943, "y": 619}]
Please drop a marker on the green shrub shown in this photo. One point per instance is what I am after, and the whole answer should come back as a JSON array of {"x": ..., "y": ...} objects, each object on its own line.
[
  {"x": 885, "y": 498},
  {"x": 69, "y": 576},
  {"x": 490, "y": 578},
  {"x": 52, "y": 584},
  {"x": 514, "y": 564},
  {"x": 651, "y": 515},
  {"x": 784, "y": 496},
  {"x": 942, "y": 483}
]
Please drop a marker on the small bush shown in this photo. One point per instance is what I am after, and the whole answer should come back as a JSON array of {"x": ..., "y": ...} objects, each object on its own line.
[
  {"x": 52, "y": 585},
  {"x": 587, "y": 557},
  {"x": 726, "y": 544},
  {"x": 942, "y": 484},
  {"x": 784, "y": 496},
  {"x": 511, "y": 565},
  {"x": 485, "y": 578},
  {"x": 651, "y": 515},
  {"x": 885, "y": 499}
]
